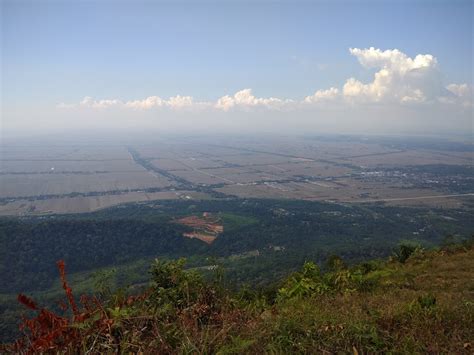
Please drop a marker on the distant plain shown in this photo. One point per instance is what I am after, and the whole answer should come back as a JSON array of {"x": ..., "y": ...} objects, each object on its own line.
[{"x": 47, "y": 178}]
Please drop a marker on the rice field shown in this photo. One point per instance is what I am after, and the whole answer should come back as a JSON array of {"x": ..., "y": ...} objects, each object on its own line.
[{"x": 66, "y": 177}]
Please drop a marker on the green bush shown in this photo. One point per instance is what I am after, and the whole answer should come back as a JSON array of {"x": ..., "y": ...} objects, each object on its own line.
[
  {"x": 404, "y": 251},
  {"x": 307, "y": 282},
  {"x": 335, "y": 263},
  {"x": 172, "y": 286}
]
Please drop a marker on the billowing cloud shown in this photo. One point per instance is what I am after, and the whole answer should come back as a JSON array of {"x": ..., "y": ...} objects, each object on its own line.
[
  {"x": 392, "y": 59},
  {"x": 146, "y": 104},
  {"x": 244, "y": 99},
  {"x": 177, "y": 102},
  {"x": 461, "y": 94},
  {"x": 399, "y": 79},
  {"x": 90, "y": 102},
  {"x": 322, "y": 96}
]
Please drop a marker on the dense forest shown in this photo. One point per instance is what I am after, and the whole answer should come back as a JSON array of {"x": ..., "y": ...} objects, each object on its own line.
[
  {"x": 301, "y": 231},
  {"x": 263, "y": 241},
  {"x": 30, "y": 250}
]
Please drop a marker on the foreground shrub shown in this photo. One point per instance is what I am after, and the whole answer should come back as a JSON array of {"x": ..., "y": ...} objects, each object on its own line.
[
  {"x": 346, "y": 310},
  {"x": 404, "y": 251},
  {"x": 51, "y": 332}
]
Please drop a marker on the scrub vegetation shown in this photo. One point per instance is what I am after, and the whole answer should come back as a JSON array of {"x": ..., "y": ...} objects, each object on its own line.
[{"x": 415, "y": 301}]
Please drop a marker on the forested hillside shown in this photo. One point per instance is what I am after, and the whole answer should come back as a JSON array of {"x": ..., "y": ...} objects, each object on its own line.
[
  {"x": 417, "y": 301},
  {"x": 262, "y": 242},
  {"x": 282, "y": 234}
]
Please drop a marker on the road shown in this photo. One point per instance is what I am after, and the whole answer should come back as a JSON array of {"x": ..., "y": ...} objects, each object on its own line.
[{"x": 410, "y": 198}]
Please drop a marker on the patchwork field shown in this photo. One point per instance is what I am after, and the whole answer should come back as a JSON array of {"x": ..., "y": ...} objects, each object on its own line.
[
  {"x": 61, "y": 184},
  {"x": 206, "y": 227},
  {"x": 91, "y": 203},
  {"x": 66, "y": 177},
  {"x": 63, "y": 166}
]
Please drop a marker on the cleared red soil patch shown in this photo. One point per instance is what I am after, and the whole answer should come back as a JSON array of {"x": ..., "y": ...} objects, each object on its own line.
[
  {"x": 204, "y": 237},
  {"x": 206, "y": 227}
]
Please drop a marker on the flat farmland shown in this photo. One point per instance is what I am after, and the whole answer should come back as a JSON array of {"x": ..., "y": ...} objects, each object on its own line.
[
  {"x": 249, "y": 158},
  {"x": 85, "y": 166},
  {"x": 200, "y": 162},
  {"x": 430, "y": 202},
  {"x": 201, "y": 177},
  {"x": 169, "y": 164},
  {"x": 176, "y": 148},
  {"x": 63, "y": 152},
  {"x": 90, "y": 203},
  {"x": 347, "y": 193},
  {"x": 411, "y": 157},
  {"x": 291, "y": 190},
  {"x": 256, "y": 191},
  {"x": 158, "y": 151},
  {"x": 315, "y": 149},
  {"x": 310, "y": 168},
  {"x": 333, "y": 150},
  {"x": 244, "y": 175},
  {"x": 339, "y": 169},
  {"x": 59, "y": 184}
]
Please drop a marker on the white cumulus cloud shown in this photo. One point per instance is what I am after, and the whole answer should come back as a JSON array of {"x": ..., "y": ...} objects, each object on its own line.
[
  {"x": 245, "y": 99},
  {"x": 90, "y": 102},
  {"x": 177, "y": 102},
  {"x": 322, "y": 96},
  {"x": 398, "y": 79},
  {"x": 461, "y": 94},
  {"x": 146, "y": 104}
]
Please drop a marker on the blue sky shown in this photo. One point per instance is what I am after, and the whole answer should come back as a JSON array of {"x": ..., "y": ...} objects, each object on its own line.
[
  {"x": 62, "y": 51},
  {"x": 58, "y": 50}
]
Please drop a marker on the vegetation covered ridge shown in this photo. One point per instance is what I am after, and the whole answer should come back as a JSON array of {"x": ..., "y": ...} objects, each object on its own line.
[{"x": 416, "y": 301}]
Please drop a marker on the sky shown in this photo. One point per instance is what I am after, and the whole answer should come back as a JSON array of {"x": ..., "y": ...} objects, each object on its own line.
[{"x": 385, "y": 67}]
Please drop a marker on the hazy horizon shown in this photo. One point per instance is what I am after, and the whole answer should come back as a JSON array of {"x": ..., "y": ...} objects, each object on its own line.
[{"x": 345, "y": 67}]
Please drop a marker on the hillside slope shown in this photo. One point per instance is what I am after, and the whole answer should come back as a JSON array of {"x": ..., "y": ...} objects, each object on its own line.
[{"x": 415, "y": 302}]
